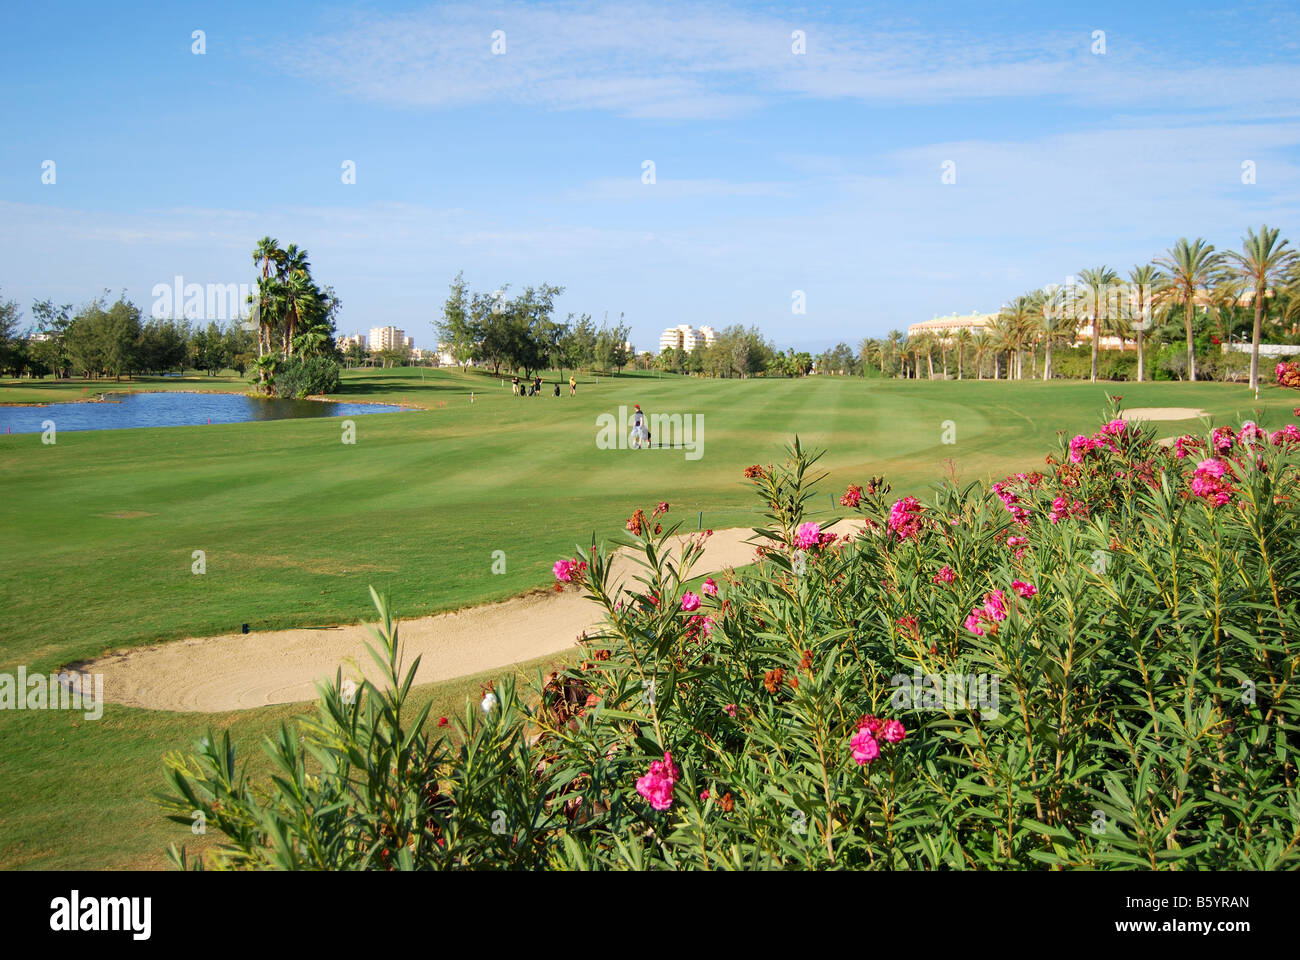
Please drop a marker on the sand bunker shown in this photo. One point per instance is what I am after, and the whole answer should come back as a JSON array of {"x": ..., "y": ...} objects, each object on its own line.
[
  {"x": 240, "y": 671},
  {"x": 1163, "y": 413}
]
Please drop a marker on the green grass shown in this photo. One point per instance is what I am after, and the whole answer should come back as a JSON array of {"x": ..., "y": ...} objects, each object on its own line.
[{"x": 296, "y": 525}]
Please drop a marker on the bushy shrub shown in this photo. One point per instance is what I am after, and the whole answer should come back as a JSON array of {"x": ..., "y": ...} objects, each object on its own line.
[
  {"x": 298, "y": 377},
  {"x": 1075, "y": 363},
  {"x": 1092, "y": 665}
]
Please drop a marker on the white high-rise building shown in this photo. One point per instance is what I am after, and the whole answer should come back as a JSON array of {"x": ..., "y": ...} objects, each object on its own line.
[
  {"x": 684, "y": 337},
  {"x": 388, "y": 338},
  {"x": 707, "y": 334}
]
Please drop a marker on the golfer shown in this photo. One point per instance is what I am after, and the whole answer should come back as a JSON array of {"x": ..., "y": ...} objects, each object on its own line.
[
  {"x": 573, "y": 386},
  {"x": 640, "y": 433}
]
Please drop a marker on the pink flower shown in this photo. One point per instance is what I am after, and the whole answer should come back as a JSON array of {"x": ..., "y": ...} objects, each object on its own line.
[
  {"x": 1210, "y": 468},
  {"x": 657, "y": 785},
  {"x": 1223, "y": 439},
  {"x": 807, "y": 536},
  {"x": 973, "y": 624},
  {"x": 893, "y": 732},
  {"x": 561, "y": 571},
  {"x": 690, "y": 601},
  {"x": 945, "y": 575},
  {"x": 1024, "y": 589},
  {"x": 730, "y": 710},
  {"x": 864, "y": 747},
  {"x": 905, "y": 518},
  {"x": 995, "y": 605},
  {"x": 1079, "y": 448},
  {"x": 870, "y": 723},
  {"x": 1114, "y": 428},
  {"x": 1288, "y": 434},
  {"x": 710, "y": 587},
  {"x": 1250, "y": 432}
]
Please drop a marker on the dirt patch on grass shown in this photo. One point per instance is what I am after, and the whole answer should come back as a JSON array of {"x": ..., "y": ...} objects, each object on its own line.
[{"x": 128, "y": 514}]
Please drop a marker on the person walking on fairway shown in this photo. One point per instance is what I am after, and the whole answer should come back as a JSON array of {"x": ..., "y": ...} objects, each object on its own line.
[
  {"x": 573, "y": 386},
  {"x": 639, "y": 432}
]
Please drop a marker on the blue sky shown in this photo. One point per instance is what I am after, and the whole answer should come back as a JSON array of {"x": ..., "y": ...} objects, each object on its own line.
[{"x": 775, "y": 172}]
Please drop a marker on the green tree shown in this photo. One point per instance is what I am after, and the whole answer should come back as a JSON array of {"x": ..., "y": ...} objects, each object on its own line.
[
  {"x": 1099, "y": 286},
  {"x": 1186, "y": 270},
  {"x": 1264, "y": 263},
  {"x": 1143, "y": 280}
]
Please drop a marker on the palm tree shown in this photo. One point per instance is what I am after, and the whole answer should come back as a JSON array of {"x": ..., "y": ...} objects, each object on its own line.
[
  {"x": 962, "y": 339},
  {"x": 266, "y": 251},
  {"x": 1186, "y": 268},
  {"x": 895, "y": 340},
  {"x": 1052, "y": 323},
  {"x": 982, "y": 342},
  {"x": 1143, "y": 278},
  {"x": 869, "y": 350},
  {"x": 1264, "y": 263},
  {"x": 1016, "y": 320},
  {"x": 298, "y": 296},
  {"x": 1098, "y": 284},
  {"x": 1003, "y": 339},
  {"x": 915, "y": 345}
]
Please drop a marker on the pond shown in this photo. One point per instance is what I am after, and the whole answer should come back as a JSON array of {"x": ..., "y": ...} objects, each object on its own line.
[{"x": 174, "y": 409}]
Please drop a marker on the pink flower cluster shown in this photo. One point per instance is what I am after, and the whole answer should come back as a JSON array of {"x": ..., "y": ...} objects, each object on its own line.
[
  {"x": 1063, "y": 508},
  {"x": 945, "y": 575},
  {"x": 852, "y": 497},
  {"x": 699, "y": 627},
  {"x": 994, "y": 610},
  {"x": 905, "y": 518},
  {"x": 1080, "y": 447},
  {"x": 1223, "y": 438},
  {"x": 1288, "y": 434},
  {"x": 1011, "y": 501},
  {"x": 1251, "y": 434},
  {"x": 1208, "y": 482},
  {"x": 1288, "y": 374},
  {"x": 1185, "y": 445},
  {"x": 657, "y": 785},
  {"x": 865, "y": 745},
  {"x": 807, "y": 536},
  {"x": 566, "y": 570},
  {"x": 690, "y": 601}
]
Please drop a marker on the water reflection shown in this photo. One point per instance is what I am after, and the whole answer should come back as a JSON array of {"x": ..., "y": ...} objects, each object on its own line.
[{"x": 124, "y": 411}]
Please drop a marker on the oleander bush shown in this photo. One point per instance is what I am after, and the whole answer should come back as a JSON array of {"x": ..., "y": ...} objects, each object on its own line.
[
  {"x": 299, "y": 377},
  {"x": 1091, "y": 665}
]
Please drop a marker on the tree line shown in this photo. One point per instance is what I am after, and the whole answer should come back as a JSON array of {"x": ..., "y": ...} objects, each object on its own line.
[
  {"x": 520, "y": 333},
  {"x": 1185, "y": 303},
  {"x": 111, "y": 338}
]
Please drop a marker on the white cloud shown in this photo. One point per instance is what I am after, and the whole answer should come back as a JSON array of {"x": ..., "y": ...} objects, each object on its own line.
[{"x": 691, "y": 61}]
